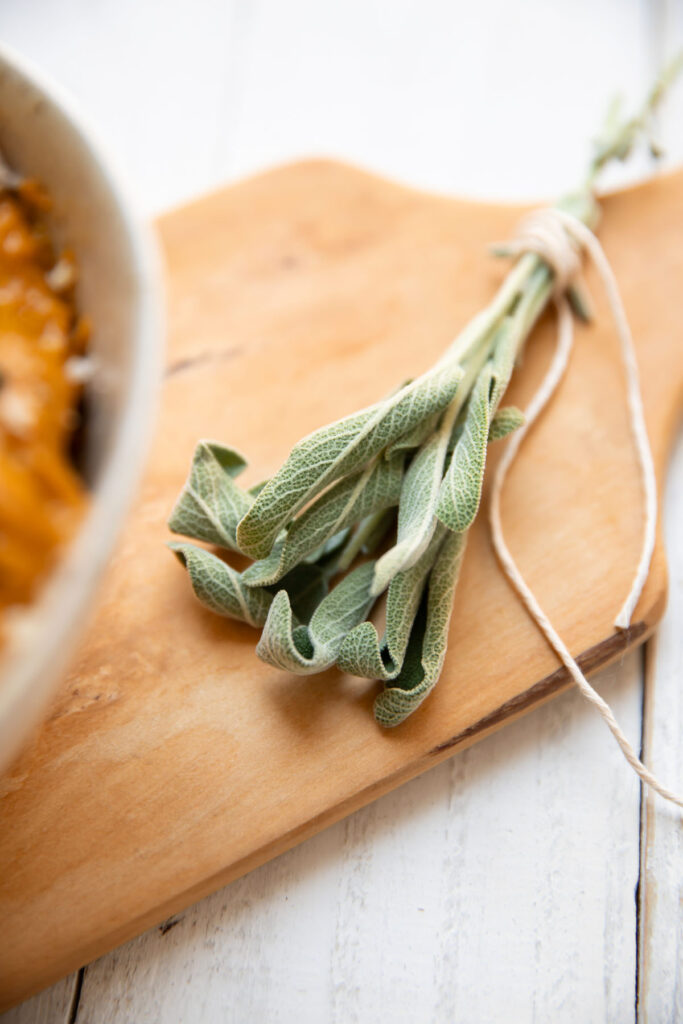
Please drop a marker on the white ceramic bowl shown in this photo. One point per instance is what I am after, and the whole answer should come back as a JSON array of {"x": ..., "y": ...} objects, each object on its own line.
[{"x": 119, "y": 288}]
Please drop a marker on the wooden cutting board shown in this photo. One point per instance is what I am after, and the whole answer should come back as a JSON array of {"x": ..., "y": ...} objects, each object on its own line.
[{"x": 173, "y": 760}]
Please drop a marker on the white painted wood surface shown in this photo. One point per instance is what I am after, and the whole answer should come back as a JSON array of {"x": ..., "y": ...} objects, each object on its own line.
[
  {"x": 660, "y": 989},
  {"x": 502, "y": 885}
]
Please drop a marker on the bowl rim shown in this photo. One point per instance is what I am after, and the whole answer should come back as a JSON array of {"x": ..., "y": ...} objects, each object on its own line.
[{"x": 32, "y": 665}]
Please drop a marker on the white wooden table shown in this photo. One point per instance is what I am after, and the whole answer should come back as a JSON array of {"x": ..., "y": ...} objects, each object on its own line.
[{"x": 523, "y": 880}]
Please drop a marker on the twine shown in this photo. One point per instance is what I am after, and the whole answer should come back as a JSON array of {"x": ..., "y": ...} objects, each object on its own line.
[{"x": 559, "y": 239}]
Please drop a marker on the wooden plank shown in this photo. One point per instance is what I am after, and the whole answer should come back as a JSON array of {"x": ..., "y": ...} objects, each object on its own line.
[
  {"x": 53, "y": 1006},
  {"x": 666, "y": 39},
  {"x": 660, "y": 986},
  {"x": 660, "y": 996},
  {"x": 164, "y": 685}
]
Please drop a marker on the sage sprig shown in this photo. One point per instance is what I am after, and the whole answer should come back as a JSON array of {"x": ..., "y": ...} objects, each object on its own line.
[{"x": 411, "y": 466}]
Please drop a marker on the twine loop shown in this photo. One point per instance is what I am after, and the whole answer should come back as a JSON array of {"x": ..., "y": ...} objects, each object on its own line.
[
  {"x": 560, "y": 239},
  {"x": 546, "y": 233}
]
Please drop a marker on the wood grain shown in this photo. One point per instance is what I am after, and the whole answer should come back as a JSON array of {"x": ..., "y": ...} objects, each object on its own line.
[{"x": 173, "y": 760}]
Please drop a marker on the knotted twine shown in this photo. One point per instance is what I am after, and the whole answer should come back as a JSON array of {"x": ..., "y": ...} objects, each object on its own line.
[{"x": 560, "y": 239}]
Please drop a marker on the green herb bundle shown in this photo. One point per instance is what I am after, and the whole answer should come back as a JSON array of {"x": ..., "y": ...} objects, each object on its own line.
[{"x": 380, "y": 502}]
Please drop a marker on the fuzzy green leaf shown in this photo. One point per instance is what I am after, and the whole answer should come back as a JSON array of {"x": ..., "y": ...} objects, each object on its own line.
[
  {"x": 313, "y": 648},
  {"x": 417, "y": 506},
  {"x": 376, "y": 487},
  {"x": 460, "y": 491},
  {"x": 338, "y": 450},
  {"x": 506, "y": 420},
  {"x": 426, "y": 651},
  {"x": 361, "y": 653},
  {"x": 257, "y": 488},
  {"x": 220, "y": 588},
  {"x": 211, "y": 504},
  {"x": 306, "y": 586},
  {"x": 416, "y": 437}
]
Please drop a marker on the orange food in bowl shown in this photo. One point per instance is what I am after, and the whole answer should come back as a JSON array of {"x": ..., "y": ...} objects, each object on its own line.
[{"x": 41, "y": 372}]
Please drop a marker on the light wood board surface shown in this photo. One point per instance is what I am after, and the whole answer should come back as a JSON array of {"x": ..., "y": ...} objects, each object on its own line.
[
  {"x": 370, "y": 919},
  {"x": 173, "y": 760}
]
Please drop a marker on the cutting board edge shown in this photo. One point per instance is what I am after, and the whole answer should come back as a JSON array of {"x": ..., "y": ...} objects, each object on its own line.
[{"x": 317, "y": 163}]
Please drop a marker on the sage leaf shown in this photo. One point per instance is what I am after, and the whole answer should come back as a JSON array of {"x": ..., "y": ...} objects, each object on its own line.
[
  {"x": 211, "y": 504},
  {"x": 306, "y": 586},
  {"x": 361, "y": 653},
  {"x": 505, "y": 421},
  {"x": 417, "y": 506},
  {"x": 313, "y": 648},
  {"x": 416, "y": 437},
  {"x": 375, "y": 488},
  {"x": 338, "y": 450},
  {"x": 428, "y": 642},
  {"x": 460, "y": 491},
  {"x": 220, "y": 588},
  {"x": 580, "y": 303}
]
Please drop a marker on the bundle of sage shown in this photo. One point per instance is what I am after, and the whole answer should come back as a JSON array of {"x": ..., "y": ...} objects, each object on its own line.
[{"x": 380, "y": 502}]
